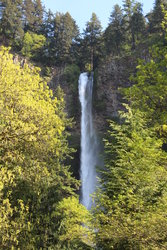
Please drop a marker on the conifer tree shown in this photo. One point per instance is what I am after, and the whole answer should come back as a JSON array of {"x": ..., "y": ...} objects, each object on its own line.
[
  {"x": 132, "y": 197},
  {"x": 92, "y": 41},
  {"x": 156, "y": 16},
  {"x": 33, "y": 14},
  {"x": 113, "y": 35},
  {"x": 64, "y": 35},
  {"x": 11, "y": 24},
  {"x": 48, "y": 24},
  {"x": 134, "y": 23}
]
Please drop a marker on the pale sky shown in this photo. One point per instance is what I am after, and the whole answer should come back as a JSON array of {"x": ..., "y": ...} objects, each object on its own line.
[{"x": 81, "y": 10}]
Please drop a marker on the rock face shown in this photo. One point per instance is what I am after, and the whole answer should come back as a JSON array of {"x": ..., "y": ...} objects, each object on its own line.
[
  {"x": 112, "y": 75},
  {"x": 109, "y": 77}
]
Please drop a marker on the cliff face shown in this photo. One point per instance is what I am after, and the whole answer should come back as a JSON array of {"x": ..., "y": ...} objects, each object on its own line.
[
  {"x": 111, "y": 76},
  {"x": 108, "y": 78}
]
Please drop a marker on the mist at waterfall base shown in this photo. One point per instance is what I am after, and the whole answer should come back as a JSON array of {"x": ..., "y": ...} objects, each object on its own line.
[{"x": 89, "y": 143}]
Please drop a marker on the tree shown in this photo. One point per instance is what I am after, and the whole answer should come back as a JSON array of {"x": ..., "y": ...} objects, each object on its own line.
[
  {"x": 138, "y": 21},
  {"x": 48, "y": 25},
  {"x": 113, "y": 35},
  {"x": 134, "y": 22},
  {"x": 91, "y": 44},
  {"x": 11, "y": 22},
  {"x": 28, "y": 15},
  {"x": 33, "y": 45},
  {"x": 33, "y": 15},
  {"x": 73, "y": 233},
  {"x": 38, "y": 16},
  {"x": 132, "y": 197},
  {"x": 61, "y": 40},
  {"x": 156, "y": 16}
]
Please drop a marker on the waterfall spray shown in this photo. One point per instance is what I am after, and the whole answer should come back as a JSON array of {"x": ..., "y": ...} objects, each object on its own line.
[{"x": 89, "y": 145}]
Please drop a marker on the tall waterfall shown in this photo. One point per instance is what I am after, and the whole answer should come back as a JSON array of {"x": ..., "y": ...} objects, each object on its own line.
[{"x": 89, "y": 145}]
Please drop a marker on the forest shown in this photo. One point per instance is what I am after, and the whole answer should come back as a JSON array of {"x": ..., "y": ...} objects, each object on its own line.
[{"x": 41, "y": 57}]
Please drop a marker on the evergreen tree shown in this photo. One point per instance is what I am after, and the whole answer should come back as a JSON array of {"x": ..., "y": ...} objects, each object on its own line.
[
  {"x": 65, "y": 33},
  {"x": 28, "y": 15},
  {"x": 33, "y": 14},
  {"x": 132, "y": 197},
  {"x": 133, "y": 21},
  {"x": 91, "y": 45},
  {"x": 11, "y": 22},
  {"x": 128, "y": 11},
  {"x": 48, "y": 24},
  {"x": 138, "y": 22},
  {"x": 113, "y": 35},
  {"x": 156, "y": 16},
  {"x": 38, "y": 16}
]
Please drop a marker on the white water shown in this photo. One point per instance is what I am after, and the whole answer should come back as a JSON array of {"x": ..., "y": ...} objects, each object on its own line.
[{"x": 89, "y": 145}]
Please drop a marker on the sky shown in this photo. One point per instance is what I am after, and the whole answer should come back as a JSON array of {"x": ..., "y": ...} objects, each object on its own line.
[{"x": 81, "y": 10}]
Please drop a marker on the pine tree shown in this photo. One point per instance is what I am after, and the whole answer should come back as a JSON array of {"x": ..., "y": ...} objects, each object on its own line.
[
  {"x": 156, "y": 16},
  {"x": 28, "y": 15},
  {"x": 134, "y": 22},
  {"x": 138, "y": 22},
  {"x": 65, "y": 33},
  {"x": 38, "y": 16},
  {"x": 11, "y": 22},
  {"x": 132, "y": 197},
  {"x": 33, "y": 14},
  {"x": 48, "y": 24},
  {"x": 91, "y": 45},
  {"x": 113, "y": 35}
]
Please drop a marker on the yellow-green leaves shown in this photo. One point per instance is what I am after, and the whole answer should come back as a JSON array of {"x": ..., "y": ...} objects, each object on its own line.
[
  {"x": 32, "y": 44},
  {"x": 75, "y": 224},
  {"x": 133, "y": 196},
  {"x": 33, "y": 149}
]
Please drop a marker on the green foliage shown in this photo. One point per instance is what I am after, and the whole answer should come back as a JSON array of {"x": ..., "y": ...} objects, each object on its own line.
[
  {"x": 64, "y": 35},
  {"x": 75, "y": 229},
  {"x": 33, "y": 15},
  {"x": 149, "y": 91},
  {"x": 11, "y": 25},
  {"x": 132, "y": 200},
  {"x": 33, "y": 149},
  {"x": 114, "y": 35},
  {"x": 71, "y": 74},
  {"x": 157, "y": 16},
  {"x": 33, "y": 45},
  {"x": 88, "y": 67},
  {"x": 134, "y": 22},
  {"x": 91, "y": 45}
]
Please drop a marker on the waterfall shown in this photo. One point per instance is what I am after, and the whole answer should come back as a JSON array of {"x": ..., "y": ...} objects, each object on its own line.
[{"x": 89, "y": 144}]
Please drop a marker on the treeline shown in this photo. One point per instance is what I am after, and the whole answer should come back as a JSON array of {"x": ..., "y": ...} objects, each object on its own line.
[{"x": 55, "y": 39}]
